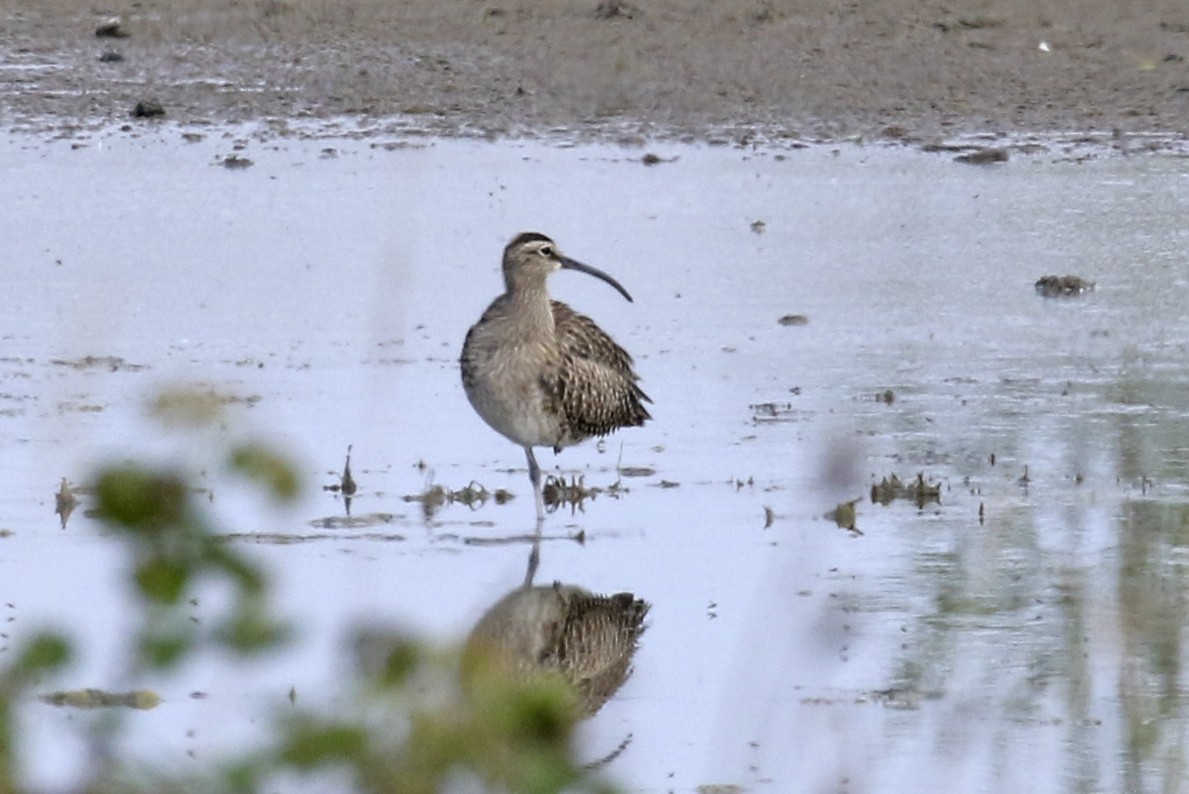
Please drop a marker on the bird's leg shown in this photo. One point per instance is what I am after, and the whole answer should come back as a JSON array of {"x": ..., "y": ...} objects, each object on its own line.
[
  {"x": 534, "y": 474},
  {"x": 534, "y": 557}
]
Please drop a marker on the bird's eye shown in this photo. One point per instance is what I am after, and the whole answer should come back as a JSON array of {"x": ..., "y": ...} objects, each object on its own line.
[{"x": 546, "y": 250}]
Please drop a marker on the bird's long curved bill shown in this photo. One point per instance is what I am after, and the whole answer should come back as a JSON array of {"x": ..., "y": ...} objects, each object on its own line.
[{"x": 574, "y": 264}]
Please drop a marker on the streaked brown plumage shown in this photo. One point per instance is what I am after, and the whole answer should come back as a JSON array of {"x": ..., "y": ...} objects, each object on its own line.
[
  {"x": 597, "y": 387},
  {"x": 538, "y": 372},
  {"x": 560, "y": 630}
]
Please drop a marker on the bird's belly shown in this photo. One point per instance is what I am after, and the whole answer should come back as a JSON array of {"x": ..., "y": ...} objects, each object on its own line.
[{"x": 514, "y": 405}]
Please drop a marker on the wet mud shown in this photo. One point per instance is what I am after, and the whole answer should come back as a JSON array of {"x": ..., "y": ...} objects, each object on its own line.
[{"x": 898, "y": 70}]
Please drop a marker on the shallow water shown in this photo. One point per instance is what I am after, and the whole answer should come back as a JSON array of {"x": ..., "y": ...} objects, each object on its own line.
[{"x": 330, "y": 284}]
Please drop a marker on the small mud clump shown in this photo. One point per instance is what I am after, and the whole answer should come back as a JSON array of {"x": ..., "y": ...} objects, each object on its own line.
[
  {"x": 64, "y": 502},
  {"x": 148, "y": 108},
  {"x": 109, "y": 363},
  {"x": 111, "y": 29},
  {"x": 916, "y": 490},
  {"x": 1062, "y": 286},
  {"x": 615, "y": 9},
  {"x": 983, "y": 157},
  {"x": 142, "y": 699},
  {"x": 844, "y": 516},
  {"x": 474, "y": 496},
  {"x": 235, "y": 162},
  {"x": 772, "y": 412},
  {"x": 558, "y": 492}
]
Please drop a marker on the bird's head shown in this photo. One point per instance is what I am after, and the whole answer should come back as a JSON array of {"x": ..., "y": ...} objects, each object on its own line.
[{"x": 531, "y": 257}]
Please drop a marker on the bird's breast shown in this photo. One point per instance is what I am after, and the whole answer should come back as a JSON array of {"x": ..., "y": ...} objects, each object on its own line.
[{"x": 509, "y": 383}]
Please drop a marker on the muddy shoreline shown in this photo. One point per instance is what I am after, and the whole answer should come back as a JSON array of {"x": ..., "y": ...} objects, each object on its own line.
[{"x": 898, "y": 70}]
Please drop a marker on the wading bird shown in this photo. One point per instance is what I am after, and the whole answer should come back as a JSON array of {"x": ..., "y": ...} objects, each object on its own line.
[{"x": 539, "y": 373}]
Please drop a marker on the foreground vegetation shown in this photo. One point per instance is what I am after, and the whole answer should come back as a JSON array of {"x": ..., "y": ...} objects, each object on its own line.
[{"x": 413, "y": 730}]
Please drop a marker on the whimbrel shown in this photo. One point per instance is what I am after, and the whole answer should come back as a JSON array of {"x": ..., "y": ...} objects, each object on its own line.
[
  {"x": 539, "y": 373},
  {"x": 585, "y": 640}
]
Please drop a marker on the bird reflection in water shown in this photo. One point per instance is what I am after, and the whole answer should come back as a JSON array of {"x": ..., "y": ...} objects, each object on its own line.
[{"x": 562, "y": 633}]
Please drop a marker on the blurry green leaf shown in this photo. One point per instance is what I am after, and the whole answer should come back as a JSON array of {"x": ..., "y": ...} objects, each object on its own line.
[
  {"x": 310, "y": 744},
  {"x": 386, "y": 657},
  {"x": 243, "y": 777},
  {"x": 270, "y": 469},
  {"x": 44, "y": 653},
  {"x": 137, "y": 498},
  {"x": 162, "y": 580},
  {"x": 543, "y": 774},
  {"x": 542, "y": 709},
  {"x": 540, "y": 712},
  {"x": 400, "y": 662},
  {"x": 247, "y": 577},
  {"x": 161, "y": 648},
  {"x": 250, "y": 629},
  {"x": 517, "y": 735}
]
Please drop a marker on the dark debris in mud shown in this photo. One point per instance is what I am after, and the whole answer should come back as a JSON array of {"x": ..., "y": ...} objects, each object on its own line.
[
  {"x": 340, "y": 529},
  {"x": 985, "y": 156},
  {"x": 615, "y": 9},
  {"x": 902, "y": 697},
  {"x": 764, "y": 413},
  {"x": 1062, "y": 286},
  {"x": 844, "y": 516},
  {"x": 236, "y": 162},
  {"x": 111, "y": 29},
  {"x": 82, "y": 408},
  {"x": 916, "y": 490},
  {"x": 353, "y": 522},
  {"x": 110, "y": 363},
  {"x": 196, "y": 406},
  {"x": 98, "y": 698},
  {"x": 908, "y": 698},
  {"x": 147, "y": 109},
  {"x": 346, "y": 484},
  {"x": 64, "y": 502},
  {"x": 474, "y": 496},
  {"x": 578, "y": 537},
  {"x": 560, "y": 492}
]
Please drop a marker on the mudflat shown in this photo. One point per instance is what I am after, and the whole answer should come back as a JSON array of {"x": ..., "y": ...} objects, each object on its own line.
[{"x": 902, "y": 69}]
